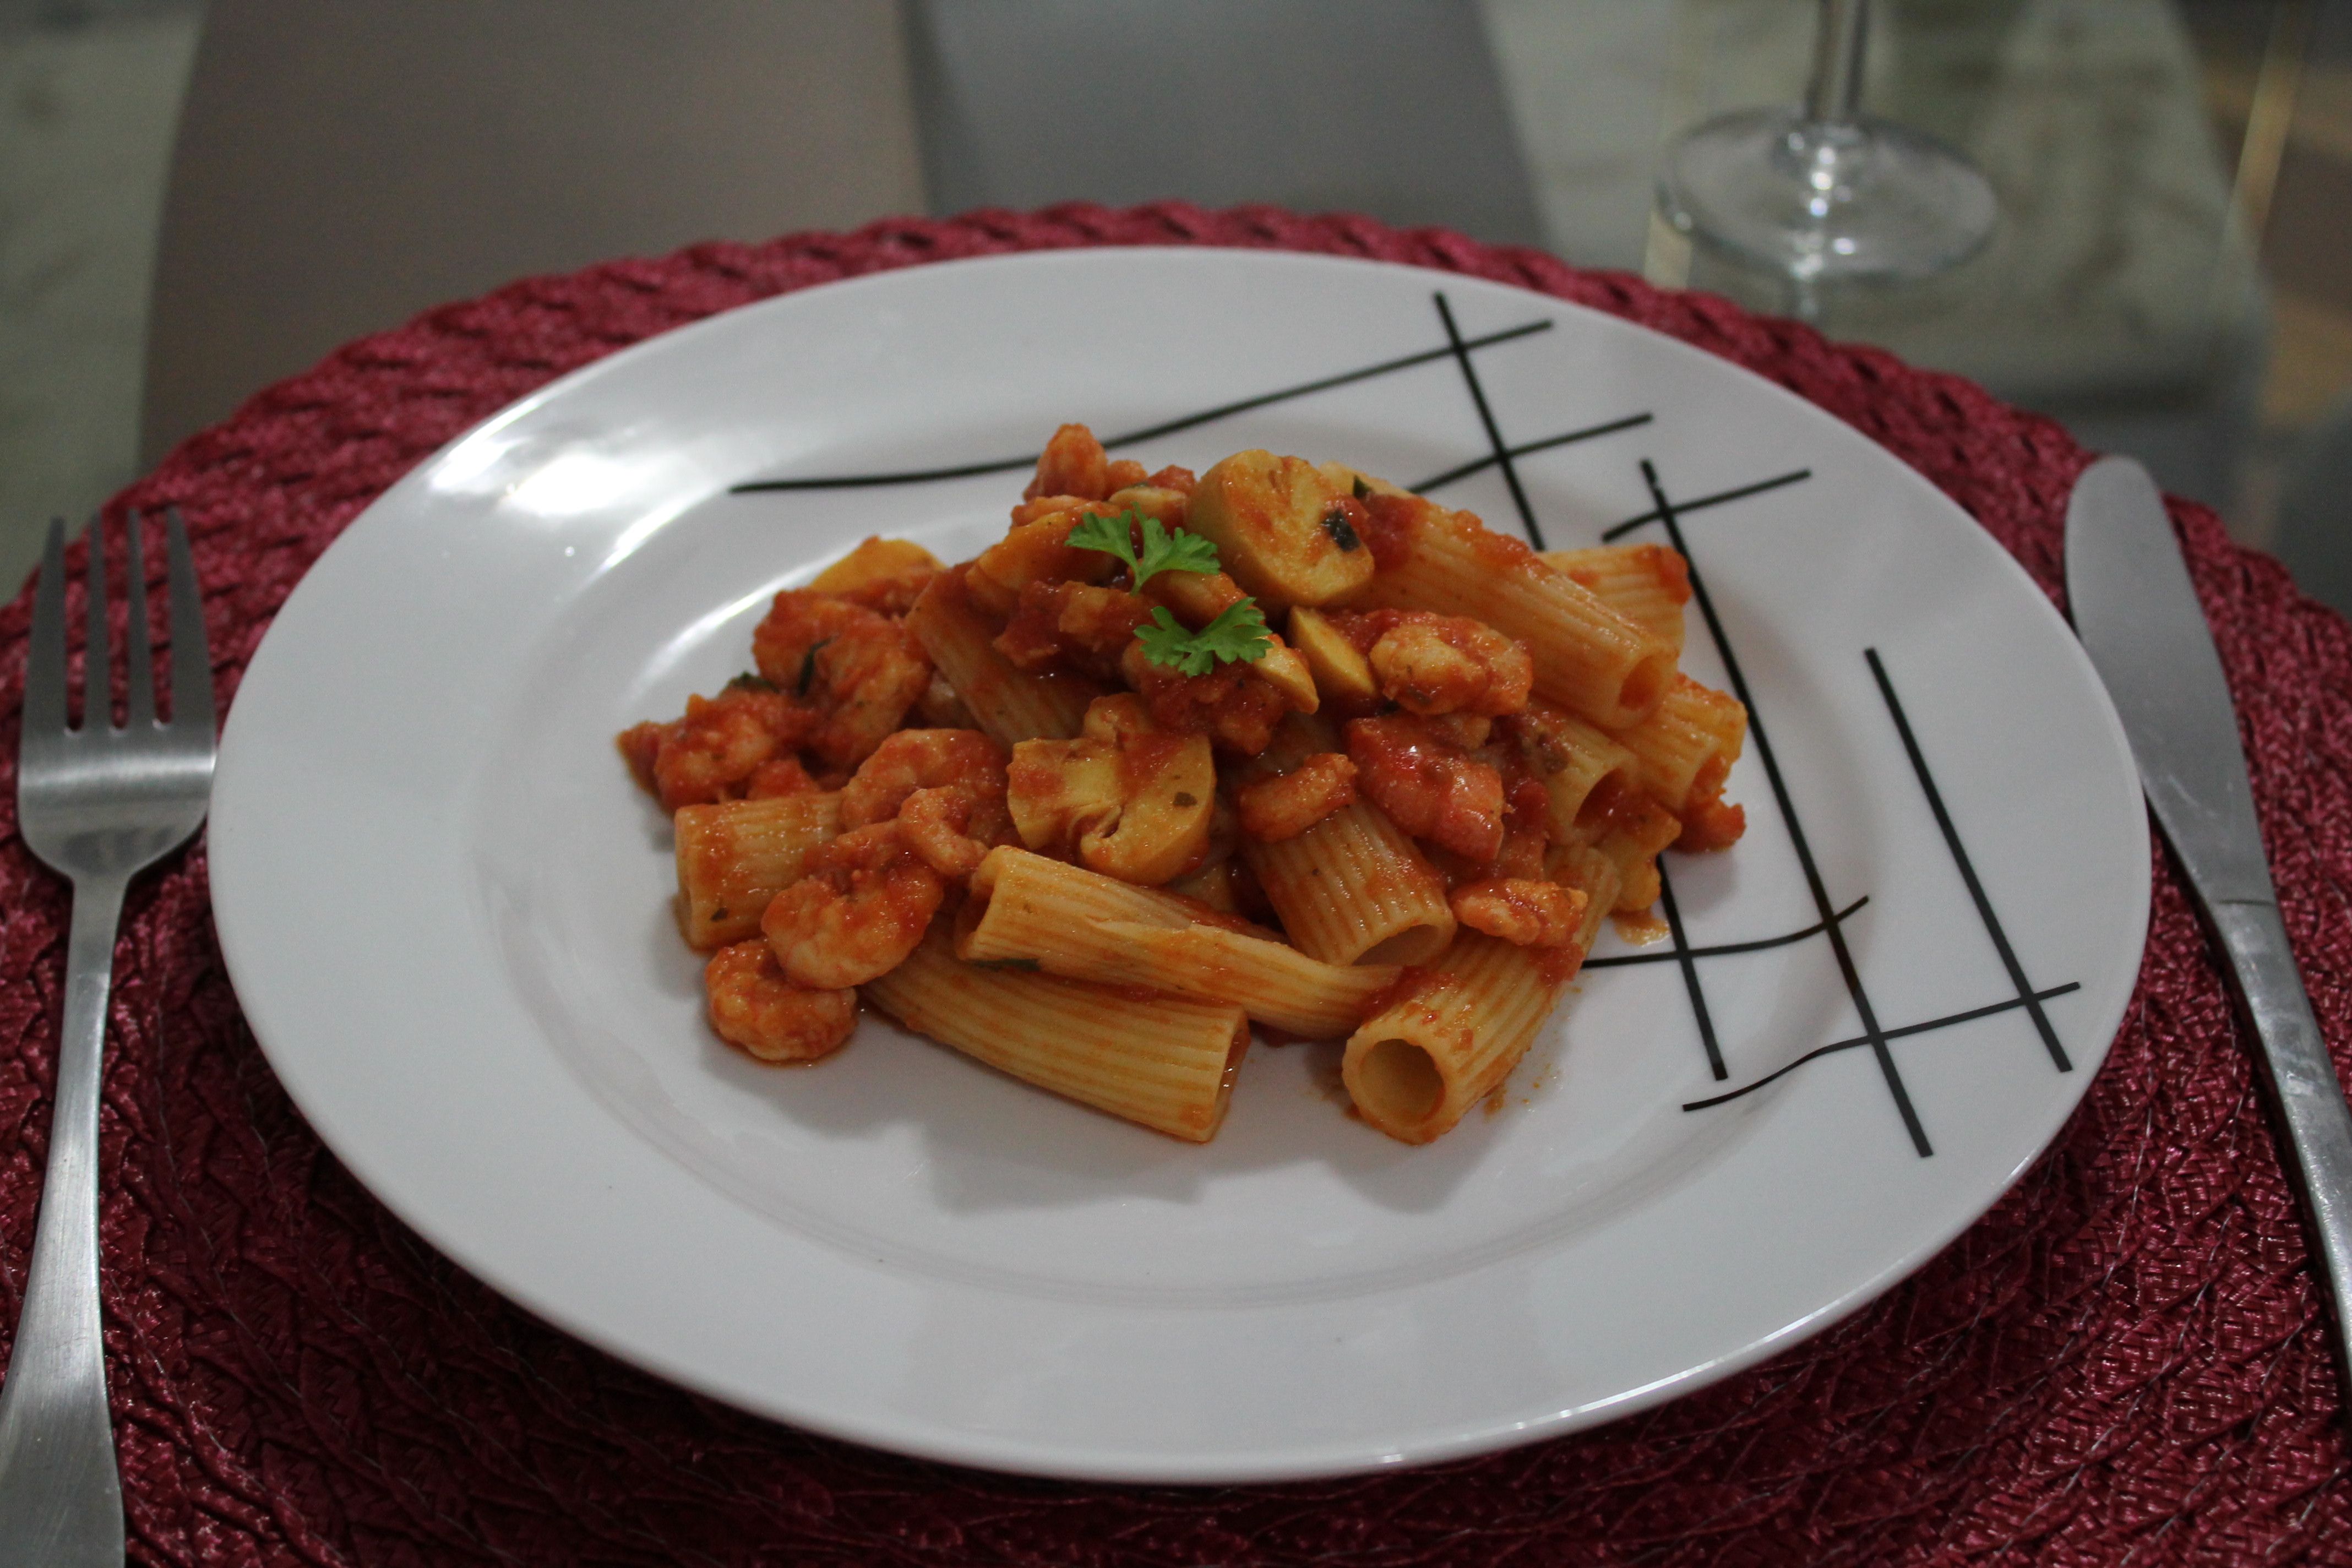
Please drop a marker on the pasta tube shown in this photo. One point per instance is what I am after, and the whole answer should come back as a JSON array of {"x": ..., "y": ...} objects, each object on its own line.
[
  {"x": 874, "y": 561},
  {"x": 1164, "y": 1062},
  {"x": 1086, "y": 926},
  {"x": 1353, "y": 889},
  {"x": 1449, "y": 1034},
  {"x": 1647, "y": 583},
  {"x": 1010, "y": 704},
  {"x": 1593, "y": 874},
  {"x": 733, "y": 857},
  {"x": 1587, "y": 656},
  {"x": 1630, "y": 828},
  {"x": 1687, "y": 745},
  {"x": 1573, "y": 760}
]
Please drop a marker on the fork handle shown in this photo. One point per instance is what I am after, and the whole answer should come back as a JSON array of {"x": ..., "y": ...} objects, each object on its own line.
[{"x": 60, "y": 1493}]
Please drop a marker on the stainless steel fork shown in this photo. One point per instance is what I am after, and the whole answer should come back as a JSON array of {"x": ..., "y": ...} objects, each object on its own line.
[{"x": 99, "y": 805}]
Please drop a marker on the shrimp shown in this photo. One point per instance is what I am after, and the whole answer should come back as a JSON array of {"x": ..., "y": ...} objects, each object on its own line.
[
  {"x": 936, "y": 825},
  {"x": 863, "y": 901},
  {"x": 1072, "y": 626},
  {"x": 755, "y": 1006},
  {"x": 1073, "y": 464},
  {"x": 1429, "y": 663},
  {"x": 1429, "y": 788},
  {"x": 777, "y": 777},
  {"x": 721, "y": 744},
  {"x": 1517, "y": 910},
  {"x": 911, "y": 762},
  {"x": 860, "y": 669},
  {"x": 1287, "y": 804}
]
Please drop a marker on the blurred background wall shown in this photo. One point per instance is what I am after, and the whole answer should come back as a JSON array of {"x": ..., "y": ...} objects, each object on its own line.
[{"x": 198, "y": 199}]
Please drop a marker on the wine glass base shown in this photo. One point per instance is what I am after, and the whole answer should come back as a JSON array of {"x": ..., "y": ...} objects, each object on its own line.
[{"x": 1820, "y": 203}]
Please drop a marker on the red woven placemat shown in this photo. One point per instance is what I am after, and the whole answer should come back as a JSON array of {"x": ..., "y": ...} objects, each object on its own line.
[{"x": 2123, "y": 1362}]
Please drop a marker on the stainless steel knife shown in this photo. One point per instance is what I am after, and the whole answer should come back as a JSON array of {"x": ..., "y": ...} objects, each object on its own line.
[{"x": 2139, "y": 620}]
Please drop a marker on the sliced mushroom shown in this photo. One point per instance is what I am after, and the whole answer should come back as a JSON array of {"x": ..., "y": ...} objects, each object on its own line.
[
  {"x": 876, "y": 561},
  {"x": 1339, "y": 669},
  {"x": 1036, "y": 552},
  {"x": 1124, "y": 799},
  {"x": 1283, "y": 529}
]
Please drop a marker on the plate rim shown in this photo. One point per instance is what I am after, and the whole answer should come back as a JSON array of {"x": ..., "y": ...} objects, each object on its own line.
[{"x": 1288, "y": 1461}]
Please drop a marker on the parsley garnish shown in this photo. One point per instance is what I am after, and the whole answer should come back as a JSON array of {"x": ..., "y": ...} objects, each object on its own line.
[
  {"x": 1342, "y": 532},
  {"x": 1238, "y": 636},
  {"x": 808, "y": 667},
  {"x": 1163, "y": 550}
]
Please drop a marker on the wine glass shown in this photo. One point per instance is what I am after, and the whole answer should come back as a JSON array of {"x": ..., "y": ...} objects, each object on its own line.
[{"x": 1823, "y": 193}]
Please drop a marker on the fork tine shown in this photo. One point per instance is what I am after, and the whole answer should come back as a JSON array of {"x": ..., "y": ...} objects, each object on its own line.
[
  {"x": 138, "y": 658},
  {"x": 192, "y": 658},
  {"x": 98, "y": 675},
  {"x": 45, "y": 654}
]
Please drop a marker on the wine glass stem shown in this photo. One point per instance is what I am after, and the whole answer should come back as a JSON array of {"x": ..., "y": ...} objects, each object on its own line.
[{"x": 1834, "y": 95}]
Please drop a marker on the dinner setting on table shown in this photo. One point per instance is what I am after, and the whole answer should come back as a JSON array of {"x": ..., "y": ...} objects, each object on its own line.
[{"x": 1137, "y": 783}]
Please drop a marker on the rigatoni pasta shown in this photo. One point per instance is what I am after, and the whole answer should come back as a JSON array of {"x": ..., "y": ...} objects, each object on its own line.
[
  {"x": 1024, "y": 910},
  {"x": 1079, "y": 809},
  {"x": 1682, "y": 754},
  {"x": 1449, "y": 1035},
  {"x": 1647, "y": 583},
  {"x": 1164, "y": 1062},
  {"x": 1574, "y": 762},
  {"x": 1351, "y": 888},
  {"x": 1008, "y": 704},
  {"x": 734, "y": 856},
  {"x": 1590, "y": 658}
]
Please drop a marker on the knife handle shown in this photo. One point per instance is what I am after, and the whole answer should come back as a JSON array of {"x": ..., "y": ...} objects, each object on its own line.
[{"x": 2309, "y": 1099}]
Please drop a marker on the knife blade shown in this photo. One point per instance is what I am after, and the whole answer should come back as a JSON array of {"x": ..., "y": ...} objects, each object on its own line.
[{"x": 2139, "y": 620}]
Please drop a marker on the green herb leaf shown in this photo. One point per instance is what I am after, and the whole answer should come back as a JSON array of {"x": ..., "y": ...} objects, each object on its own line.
[
  {"x": 1105, "y": 534},
  {"x": 1173, "y": 550},
  {"x": 808, "y": 667},
  {"x": 1342, "y": 531},
  {"x": 1238, "y": 636},
  {"x": 1108, "y": 534},
  {"x": 1164, "y": 549}
]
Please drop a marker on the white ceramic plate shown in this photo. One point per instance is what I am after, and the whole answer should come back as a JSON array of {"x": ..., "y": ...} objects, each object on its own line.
[{"x": 445, "y": 904}]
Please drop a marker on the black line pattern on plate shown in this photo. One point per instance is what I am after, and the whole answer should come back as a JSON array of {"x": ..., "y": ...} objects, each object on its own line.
[
  {"x": 1456, "y": 348},
  {"x": 1683, "y": 955},
  {"x": 1700, "y": 503},
  {"x": 2027, "y": 996},
  {"x": 1502, "y": 451},
  {"x": 1566, "y": 438},
  {"x": 1719, "y": 949},
  {"x": 1847, "y": 969},
  {"x": 2031, "y": 999},
  {"x": 1670, "y": 514}
]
